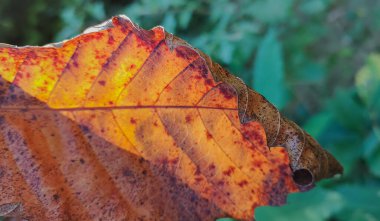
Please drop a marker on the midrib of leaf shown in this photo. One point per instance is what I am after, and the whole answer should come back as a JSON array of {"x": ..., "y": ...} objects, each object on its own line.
[{"x": 113, "y": 108}]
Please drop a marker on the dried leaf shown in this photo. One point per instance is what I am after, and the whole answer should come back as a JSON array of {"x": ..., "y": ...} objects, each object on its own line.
[{"x": 122, "y": 123}]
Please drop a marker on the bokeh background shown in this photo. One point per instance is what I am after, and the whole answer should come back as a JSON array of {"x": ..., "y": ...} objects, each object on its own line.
[{"x": 318, "y": 61}]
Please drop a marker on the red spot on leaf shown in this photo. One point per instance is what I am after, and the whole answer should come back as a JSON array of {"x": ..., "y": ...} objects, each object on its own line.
[
  {"x": 243, "y": 183},
  {"x": 198, "y": 77},
  {"x": 111, "y": 40},
  {"x": 208, "y": 135},
  {"x": 103, "y": 83},
  {"x": 133, "y": 120},
  {"x": 174, "y": 161},
  {"x": 229, "y": 172},
  {"x": 198, "y": 179},
  {"x": 220, "y": 183},
  {"x": 188, "y": 118},
  {"x": 116, "y": 21},
  {"x": 257, "y": 164},
  {"x": 211, "y": 166}
]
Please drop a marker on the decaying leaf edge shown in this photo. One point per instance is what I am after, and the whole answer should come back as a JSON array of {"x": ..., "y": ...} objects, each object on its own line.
[{"x": 308, "y": 160}]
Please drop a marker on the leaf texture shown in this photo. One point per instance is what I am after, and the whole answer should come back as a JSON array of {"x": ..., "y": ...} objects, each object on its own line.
[{"x": 121, "y": 123}]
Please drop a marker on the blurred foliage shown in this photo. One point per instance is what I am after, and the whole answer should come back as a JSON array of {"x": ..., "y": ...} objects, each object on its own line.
[{"x": 316, "y": 60}]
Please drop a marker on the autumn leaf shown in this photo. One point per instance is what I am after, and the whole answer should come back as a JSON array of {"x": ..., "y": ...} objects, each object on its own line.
[{"x": 121, "y": 123}]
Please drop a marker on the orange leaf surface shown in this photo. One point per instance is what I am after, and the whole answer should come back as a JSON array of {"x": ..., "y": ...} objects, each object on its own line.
[{"x": 121, "y": 123}]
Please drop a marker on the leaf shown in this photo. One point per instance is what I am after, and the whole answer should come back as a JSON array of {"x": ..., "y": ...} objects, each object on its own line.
[
  {"x": 271, "y": 11},
  {"x": 359, "y": 200},
  {"x": 122, "y": 123},
  {"x": 269, "y": 70},
  {"x": 368, "y": 85},
  {"x": 368, "y": 81},
  {"x": 225, "y": 219},
  {"x": 371, "y": 146},
  {"x": 313, "y": 6},
  {"x": 318, "y": 123}
]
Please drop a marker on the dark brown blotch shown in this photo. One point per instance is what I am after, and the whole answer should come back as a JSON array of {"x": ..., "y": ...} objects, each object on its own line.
[
  {"x": 209, "y": 82},
  {"x": 127, "y": 172},
  {"x": 144, "y": 172},
  {"x": 84, "y": 128},
  {"x": 56, "y": 197}
]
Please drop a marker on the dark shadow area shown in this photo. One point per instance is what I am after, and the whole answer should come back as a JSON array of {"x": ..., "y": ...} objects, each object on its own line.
[{"x": 303, "y": 177}]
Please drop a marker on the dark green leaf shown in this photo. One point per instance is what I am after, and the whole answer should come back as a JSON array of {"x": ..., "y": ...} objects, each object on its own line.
[
  {"x": 268, "y": 73},
  {"x": 316, "y": 205}
]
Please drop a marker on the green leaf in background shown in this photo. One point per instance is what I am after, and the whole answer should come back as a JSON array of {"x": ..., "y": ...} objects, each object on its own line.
[
  {"x": 368, "y": 85},
  {"x": 318, "y": 123},
  {"x": 271, "y": 11},
  {"x": 315, "y": 205},
  {"x": 349, "y": 112},
  {"x": 169, "y": 22},
  {"x": 368, "y": 81},
  {"x": 73, "y": 23},
  {"x": 371, "y": 154},
  {"x": 345, "y": 132},
  {"x": 268, "y": 73},
  {"x": 313, "y": 6},
  {"x": 309, "y": 72},
  {"x": 97, "y": 11},
  {"x": 225, "y": 219},
  {"x": 360, "y": 203}
]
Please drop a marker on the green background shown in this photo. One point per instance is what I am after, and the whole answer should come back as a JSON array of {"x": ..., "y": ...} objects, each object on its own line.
[{"x": 318, "y": 61}]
